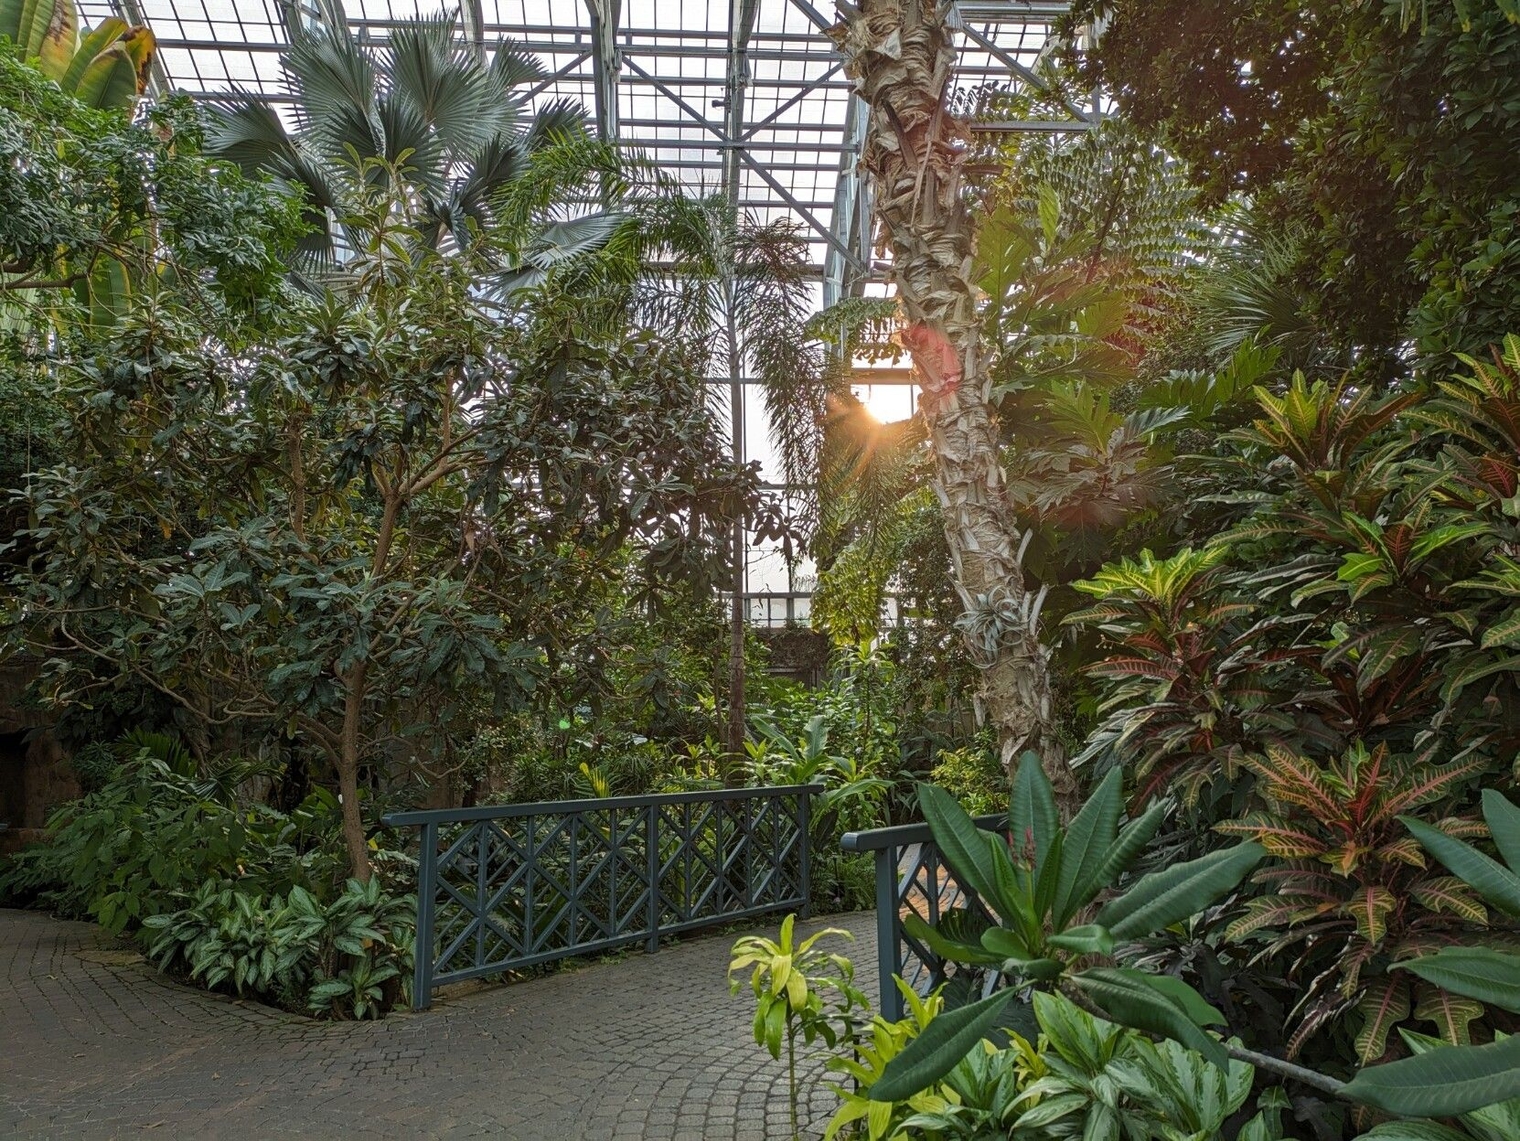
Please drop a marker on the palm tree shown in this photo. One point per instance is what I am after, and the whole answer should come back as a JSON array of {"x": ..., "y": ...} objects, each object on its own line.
[
  {"x": 738, "y": 290},
  {"x": 480, "y": 166},
  {"x": 915, "y": 148},
  {"x": 1013, "y": 320}
]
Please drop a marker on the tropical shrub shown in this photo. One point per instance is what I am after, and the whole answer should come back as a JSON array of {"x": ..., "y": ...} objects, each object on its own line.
[
  {"x": 101, "y": 208},
  {"x": 1074, "y": 1076},
  {"x": 1439, "y": 1082},
  {"x": 800, "y": 992},
  {"x": 348, "y": 958},
  {"x": 120, "y": 854},
  {"x": 1339, "y": 656},
  {"x": 1354, "y": 882},
  {"x": 1085, "y": 1077},
  {"x": 1040, "y": 880},
  {"x": 103, "y": 67},
  {"x": 974, "y": 776}
]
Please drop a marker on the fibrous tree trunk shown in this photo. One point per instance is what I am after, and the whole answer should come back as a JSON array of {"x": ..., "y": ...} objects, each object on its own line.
[{"x": 901, "y": 57}]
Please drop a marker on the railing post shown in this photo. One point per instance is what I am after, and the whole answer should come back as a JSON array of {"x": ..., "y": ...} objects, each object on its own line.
[
  {"x": 427, "y": 895},
  {"x": 888, "y": 947},
  {"x": 652, "y": 874},
  {"x": 805, "y": 822}
]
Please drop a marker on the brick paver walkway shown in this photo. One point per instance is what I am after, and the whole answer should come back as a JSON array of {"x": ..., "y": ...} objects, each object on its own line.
[{"x": 95, "y": 1044}]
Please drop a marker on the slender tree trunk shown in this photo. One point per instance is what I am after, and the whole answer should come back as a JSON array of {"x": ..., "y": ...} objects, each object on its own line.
[
  {"x": 348, "y": 772},
  {"x": 293, "y": 446},
  {"x": 736, "y": 669},
  {"x": 355, "y": 690},
  {"x": 900, "y": 54}
]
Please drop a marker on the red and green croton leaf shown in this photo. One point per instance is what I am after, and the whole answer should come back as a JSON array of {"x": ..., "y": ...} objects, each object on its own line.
[
  {"x": 1370, "y": 907},
  {"x": 1383, "y": 1005},
  {"x": 1450, "y": 1012}
]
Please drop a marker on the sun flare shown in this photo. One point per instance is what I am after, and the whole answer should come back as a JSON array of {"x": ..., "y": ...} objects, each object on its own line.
[{"x": 886, "y": 403}]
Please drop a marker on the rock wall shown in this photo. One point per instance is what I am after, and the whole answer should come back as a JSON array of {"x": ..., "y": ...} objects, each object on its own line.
[
  {"x": 797, "y": 653},
  {"x": 35, "y": 774}
]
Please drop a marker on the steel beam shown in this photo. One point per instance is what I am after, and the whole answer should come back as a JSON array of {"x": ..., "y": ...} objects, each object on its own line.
[
  {"x": 850, "y": 221},
  {"x": 819, "y": 20},
  {"x": 605, "y": 64},
  {"x": 549, "y": 81},
  {"x": 474, "y": 28},
  {"x": 304, "y": 15},
  {"x": 738, "y": 147},
  {"x": 1008, "y": 60},
  {"x": 741, "y": 26},
  {"x": 823, "y": 81}
]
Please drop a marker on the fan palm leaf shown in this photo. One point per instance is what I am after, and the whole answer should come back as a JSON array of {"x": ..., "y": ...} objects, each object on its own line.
[{"x": 421, "y": 109}]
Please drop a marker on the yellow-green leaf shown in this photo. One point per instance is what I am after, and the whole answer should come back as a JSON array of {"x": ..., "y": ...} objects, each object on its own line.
[{"x": 1370, "y": 907}]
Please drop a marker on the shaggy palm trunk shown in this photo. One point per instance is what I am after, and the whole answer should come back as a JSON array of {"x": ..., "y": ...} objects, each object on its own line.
[{"x": 900, "y": 54}]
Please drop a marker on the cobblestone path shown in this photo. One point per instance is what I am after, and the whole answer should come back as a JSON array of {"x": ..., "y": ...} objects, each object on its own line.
[{"x": 94, "y": 1044}]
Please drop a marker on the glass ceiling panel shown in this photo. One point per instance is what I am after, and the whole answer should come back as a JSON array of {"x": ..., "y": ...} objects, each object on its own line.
[
  {"x": 671, "y": 82},
  {"x": 793, "y": 133}
]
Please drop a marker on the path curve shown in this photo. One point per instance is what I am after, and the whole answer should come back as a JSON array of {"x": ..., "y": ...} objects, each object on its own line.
[{"x": 97, "y": 1045}]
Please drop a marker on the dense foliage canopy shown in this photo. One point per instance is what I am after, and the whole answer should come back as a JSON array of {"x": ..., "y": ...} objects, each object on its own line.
[{"x": 368, "y": 459}]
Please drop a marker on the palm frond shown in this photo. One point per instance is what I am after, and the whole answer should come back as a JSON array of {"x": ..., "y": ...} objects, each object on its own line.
[
  {"x": 249, "y": 132},
  {"x": 512, "y": 65},
  {"x": 555, "y": 123},
  {"x": 409, "y": 144},
  {"x": 325, "y": 71},
  {"x": 456, "y": 99}
]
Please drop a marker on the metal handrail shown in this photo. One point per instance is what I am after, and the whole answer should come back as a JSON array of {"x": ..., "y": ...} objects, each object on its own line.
[
  {"x": 911, "y": 877},
  {"x": 900, "y": 835},
  {"x": 548, "y": 807},
  {"x": 504, "y": 887}
]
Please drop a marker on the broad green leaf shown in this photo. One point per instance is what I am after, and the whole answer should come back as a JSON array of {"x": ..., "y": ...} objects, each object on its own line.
[
  {"x": 1476, "y": 669},
  {"x": 959, "y": 840},
  {"x": 1006, "y": 945},
  {"x": 1503, "y": 820},
  {"x": 1196, "y": 1006},
  {"x": 1488, "y": 976},
  {"x": 947, "y": 1039},
  {"x": 1492, "y": 880},
  {"x": 109, "y": 81},
  {"x": 1132, "y": 998},
  {"x": 1438, "y": 537},
  {"x": 1370, "y": 907},
  {"x": 1414, "y": 1131},
  {"x": 1130, "y": 842},
  {"x": 1088, "y": 838},
  {"x": 46, "y": 29},
  {"x": 948, "y": 949},
  {"x": 1013, "y": 897},
  {"x": 1032, "y": 813},
  {"x": 1384, "y": 650},
  {"x": 1089, "y": 939},
  {"x": 1384, "y": 1004},
  {"x": 1050, "y": 213},
  {"x": 1504, "y": 632},
  {"x": 1048, "y": 874},
  {"x": 91, "y": 44},
  {"x": 1443, "y": 1082},
  {"x": 1452, "y": 1013},
  {"x": 1179, "y": 892}
]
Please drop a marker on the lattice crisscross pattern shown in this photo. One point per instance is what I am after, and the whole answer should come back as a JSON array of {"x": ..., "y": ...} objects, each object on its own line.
[
  {"x": 912, "y": 878},
  {"x": 928, "y": 888},
  {"x": 507, "y": 888}
]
